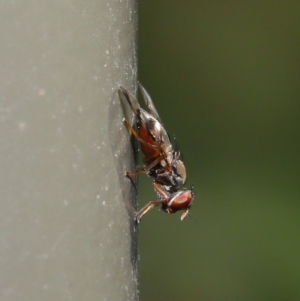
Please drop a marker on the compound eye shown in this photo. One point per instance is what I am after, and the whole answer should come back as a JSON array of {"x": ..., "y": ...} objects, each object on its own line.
[{"x": 181, "y": 200}]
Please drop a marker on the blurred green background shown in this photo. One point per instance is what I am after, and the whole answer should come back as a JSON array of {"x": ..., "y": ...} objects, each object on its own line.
[{"x": 225, "y": 78}]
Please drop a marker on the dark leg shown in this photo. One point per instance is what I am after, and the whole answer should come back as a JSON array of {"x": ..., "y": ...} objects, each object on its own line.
[
  {"x": 136, "y": 135},
  {"x": 164, "y": 197},
  {"x": 145, "y": 170},
  {"x": 146, "y": 208}
]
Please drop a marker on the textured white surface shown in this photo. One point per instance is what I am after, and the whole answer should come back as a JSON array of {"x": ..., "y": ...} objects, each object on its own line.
[{"x": 66, "y": 232}]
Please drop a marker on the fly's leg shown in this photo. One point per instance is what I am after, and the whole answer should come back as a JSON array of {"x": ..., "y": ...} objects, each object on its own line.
[
  {"x": 162, "y": 192},
  {"x": 144, "y": 170},
  {"x": 146, "y": 208},
  {"x": 164, "y": 196},
  {"x": 136, "y": 135}
]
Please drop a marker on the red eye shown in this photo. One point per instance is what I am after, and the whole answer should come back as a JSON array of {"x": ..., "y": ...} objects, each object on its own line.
[{"x": 180, "y": 200}]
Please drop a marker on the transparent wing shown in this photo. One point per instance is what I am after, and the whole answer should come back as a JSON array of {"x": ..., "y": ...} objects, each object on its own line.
[{"x": 149, "y": 103}]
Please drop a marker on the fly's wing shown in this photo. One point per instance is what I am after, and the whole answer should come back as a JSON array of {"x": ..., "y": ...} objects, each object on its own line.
[
  {"x": 149, "y": 103},
  {"x": 149, "y": 121},
  {"x": 127, "y": 96},
  {"x": 159, "y": 134},
  {"x": 156, "y": 127}
]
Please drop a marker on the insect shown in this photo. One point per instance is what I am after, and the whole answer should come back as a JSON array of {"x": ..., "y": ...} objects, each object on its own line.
[{"x": 162, "y": 162}]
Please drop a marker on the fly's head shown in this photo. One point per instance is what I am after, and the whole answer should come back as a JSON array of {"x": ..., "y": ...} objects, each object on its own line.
[{"x": 180, "y": 200}]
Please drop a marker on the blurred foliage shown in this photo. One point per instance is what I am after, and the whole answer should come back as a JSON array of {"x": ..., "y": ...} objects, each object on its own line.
[{"x": 225, "y": 77}]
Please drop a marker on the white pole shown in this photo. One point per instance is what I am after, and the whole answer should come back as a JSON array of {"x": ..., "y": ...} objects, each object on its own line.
[{"x": 66, "y": 232}]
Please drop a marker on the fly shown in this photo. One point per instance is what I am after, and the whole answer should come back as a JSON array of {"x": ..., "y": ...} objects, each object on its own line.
[{"x": 161, "y": 162}]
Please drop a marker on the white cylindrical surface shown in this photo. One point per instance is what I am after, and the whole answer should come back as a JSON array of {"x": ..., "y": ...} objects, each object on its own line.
[{"x": 66, "y": 230}]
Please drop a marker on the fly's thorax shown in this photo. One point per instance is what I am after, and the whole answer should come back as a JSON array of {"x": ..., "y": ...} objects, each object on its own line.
[
  {"x": 163, "y": 163},
  {"x": 157, "y": 131},
  {"x": 179, "y": 172},
  {"x": 172, "y": 177}
]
